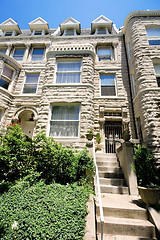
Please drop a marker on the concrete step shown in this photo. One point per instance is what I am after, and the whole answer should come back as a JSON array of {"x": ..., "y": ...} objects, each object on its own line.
[
  {"x": 111, "y": 174},
  {"x": 109, "y": 169},
  {"x": 113, "y": 189},
  {"x": 122, "y": 237},
  {"x": 112, "y": 181},
  {"x": 108, "y": 164},
  {"x": 103, "y": 158},
  {"x": 127, "y": 227}
]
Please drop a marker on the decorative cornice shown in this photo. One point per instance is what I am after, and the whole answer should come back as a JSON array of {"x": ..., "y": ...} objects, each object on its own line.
[
  {"x": 71, "y": 49},
  {"x": 147, "y": 13}
]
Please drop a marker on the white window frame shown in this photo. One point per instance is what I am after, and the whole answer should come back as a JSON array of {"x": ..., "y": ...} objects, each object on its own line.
[
  {"x": 30, "y": 73},
  {"x": 111, "y": 53},
  {"x": 38, "y": 47},
  {"x": 68, "y": 60},
  {"x": 7, "y": 79},
  {"x": 79, "y": 119},
  {"x": 154, "y": 38},
  {"x": 19, "y": 48},
  {"x": 115, "y": 85}
]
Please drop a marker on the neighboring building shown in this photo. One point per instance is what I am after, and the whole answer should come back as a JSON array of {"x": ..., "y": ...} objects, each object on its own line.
[{"x": 68, "y": 80}]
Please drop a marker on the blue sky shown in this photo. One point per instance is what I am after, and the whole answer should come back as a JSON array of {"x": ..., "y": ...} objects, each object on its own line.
[{"x": 84, "y": 11}]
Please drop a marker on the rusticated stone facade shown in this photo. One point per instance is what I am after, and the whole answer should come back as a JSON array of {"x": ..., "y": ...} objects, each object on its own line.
[{"x": 107, "y": 111}]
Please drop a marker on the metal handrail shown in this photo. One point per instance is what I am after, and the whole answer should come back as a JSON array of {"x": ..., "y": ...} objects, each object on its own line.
[{"x": 99, "y": 191}]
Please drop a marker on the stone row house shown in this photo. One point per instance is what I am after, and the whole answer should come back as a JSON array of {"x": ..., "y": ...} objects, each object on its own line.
[{"x": 69, "y": 80}]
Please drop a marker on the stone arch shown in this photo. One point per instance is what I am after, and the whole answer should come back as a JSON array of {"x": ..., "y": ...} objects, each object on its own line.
[{"x": 27, "y": 116}]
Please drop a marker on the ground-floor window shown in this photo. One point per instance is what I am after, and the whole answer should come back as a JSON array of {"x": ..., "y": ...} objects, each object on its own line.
[{"x": 64, "y": 121}]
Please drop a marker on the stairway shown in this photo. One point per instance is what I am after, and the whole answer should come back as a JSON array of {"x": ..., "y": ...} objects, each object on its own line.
[{"x": 125, "y": 216}]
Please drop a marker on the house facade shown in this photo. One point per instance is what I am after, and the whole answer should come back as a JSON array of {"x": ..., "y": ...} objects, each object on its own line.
[{"x": 69, "y": 80}]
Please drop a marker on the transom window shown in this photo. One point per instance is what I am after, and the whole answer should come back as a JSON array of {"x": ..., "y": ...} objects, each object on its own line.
[
  {"x": 64, "y": 121},
  {"x": 31, "y": 83},
  {"x": 104, "y": 53},
  {"x": 153, "y": 36},
  {"x": 157, "y": 72},
  {"x": 37, "y": 54},
  {"x": 18, "y": 54},
  {"x": 108, "y": 85},
  {"x": 6, "y": 76},
  {"x": 68, "y": 72}
]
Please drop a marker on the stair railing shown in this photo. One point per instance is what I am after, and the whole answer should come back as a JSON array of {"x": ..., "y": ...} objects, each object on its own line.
[{"x": 99, "y": 191}]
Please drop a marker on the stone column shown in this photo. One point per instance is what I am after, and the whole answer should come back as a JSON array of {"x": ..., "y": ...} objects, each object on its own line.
[
  {"x": 8, "y": 49},
  {"x": 25, "y": 58}
]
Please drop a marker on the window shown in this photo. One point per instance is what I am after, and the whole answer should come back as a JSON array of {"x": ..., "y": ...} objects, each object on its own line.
[
  {"x": 1, "y": 113},
  {"x": 108, "y": 85},
  {"x": 101, "y": 31},
  {"x": 7, "y": 34},
  {"x": 104, "y": 53},
  {"x": 153, "y": 36},
  {"x": 69, "y": 32},
  {"x": 133, "y": 85},
  {"x": 31, "y": 82},
  {"x": 157, "y": 72},
  {"x": 64, "y": 121},
  {"x": 68, "y": 72},
  {"x": 37, "y": 54},
  {"x": 38, "y": 32},
  {"x": 18, "y": 54},
  {"x": 3, "y": 50},
  {"x": 6, "y": 76}
]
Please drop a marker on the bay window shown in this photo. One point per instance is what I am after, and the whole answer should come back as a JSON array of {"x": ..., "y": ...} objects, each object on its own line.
[
  {"x": 31, "y": 83},
  {"x": 157, "y": 72},
  {"x": 6, "y": 76},
  {"x": 68, "y": 72},
  {"x": 108, "y": 85},
  {"x": 64, "y": 121}
]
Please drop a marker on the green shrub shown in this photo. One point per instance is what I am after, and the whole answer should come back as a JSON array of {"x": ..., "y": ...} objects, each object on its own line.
[
  {"x": 145, "y": 167},
  {"x": 43, "y": 211}
]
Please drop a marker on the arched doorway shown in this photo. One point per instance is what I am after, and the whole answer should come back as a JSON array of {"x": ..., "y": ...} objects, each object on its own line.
[{"x": 27, "y": 121}]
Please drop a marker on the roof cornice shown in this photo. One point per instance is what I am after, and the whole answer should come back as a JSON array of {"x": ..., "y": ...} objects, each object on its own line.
[{"x": 144, "y": 13}]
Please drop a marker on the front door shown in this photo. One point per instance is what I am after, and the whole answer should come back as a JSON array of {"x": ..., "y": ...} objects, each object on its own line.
[{"x": 113, "y": 132}]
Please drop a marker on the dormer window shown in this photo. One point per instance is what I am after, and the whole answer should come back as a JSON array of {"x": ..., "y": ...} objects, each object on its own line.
[
  {"x": 101, "y": 31},
  {"x": 10, "y": 28},
  {"x": 38, "y": 32},
  {"x": 69, "y": 32},
  {"x": 39, "y": 27},
  {"x": 7, "y": 34}
]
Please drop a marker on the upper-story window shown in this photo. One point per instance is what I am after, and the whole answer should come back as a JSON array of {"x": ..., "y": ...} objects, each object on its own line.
[
  {"x": 37, "y": 54},
  {"x": 157, "y": 72},
  {"x": 31, "y": 83},
  {"x": 68, "y": 72},
  {"x": 3, "y": 50},
  {"x": 105, "y": 53},
  {"x": 108, "y": 85},
  {"x": 65, "y": 121},
  {"x": 133, "y": 85},
  {"x": 1, "y": 113},
  {"x": 38, "y": 32},
  {"x": 101, "y": 31},
  {"x": 18, "y": 54},
  {"x": 7, "y": 34},
  {"x": 69, "y": 32},
  {"x": 6, "y": 76},
  {"x": 153, "y": 36}
]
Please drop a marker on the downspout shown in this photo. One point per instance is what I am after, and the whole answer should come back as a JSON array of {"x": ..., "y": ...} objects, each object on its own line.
[{"x": 130, "y": 89}]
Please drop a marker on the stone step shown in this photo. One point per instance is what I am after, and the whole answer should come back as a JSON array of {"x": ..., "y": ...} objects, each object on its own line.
[
  {"x": 109, "y": 169},
  {"x": 133, "y": 213},
  {"x": 108, "y": 163},
  {"x": 111, "y": 174},
  {"x": 113, "y": 189},
  {"x": 103, "y": 158},
  {"x": 112, "y": 181},
  {"x": 127, "y": 227},
  {"x": 122, "y": 237}
]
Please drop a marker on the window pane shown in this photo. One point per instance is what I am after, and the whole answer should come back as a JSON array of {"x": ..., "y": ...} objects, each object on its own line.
[
  {"x": 154, "y": 42},
  {"x": 32, "y": 78},
  {"x": 18, "y": 54},
  {"x": 158, "y": 81},
  {"x": 68, "y": 66},
  {"x": 153, "y": 32},
  {"x": 8, "y": 34},
  {"x": 104, "y": 51},
  {"x": 108, "y": 91},
  {"x": 64, "y": 128},
  {"x": 107, "y": 80},
  {"x": 4, "y": 83},
  {"x": 3, "y": 50},
  {"x": 7, "y": 72},
  {"x": 30, "y": 88},
  {"x": 37, "y": 54},
  {"x": 65, "y": 113},
  {"x": 101, "y": 31},
  {"x": 68, "y": 78},
  {"x": 38, "y": 33},
  {"x": 69, "y": 32}
]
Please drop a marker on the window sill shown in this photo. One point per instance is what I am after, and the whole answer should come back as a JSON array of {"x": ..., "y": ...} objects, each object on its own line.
[{"x": 110, "y": 97}]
